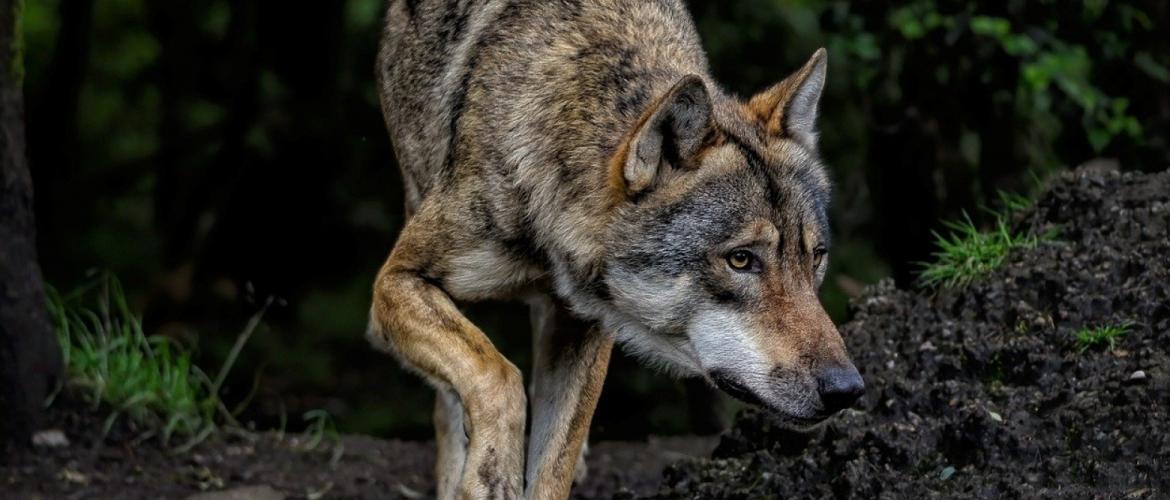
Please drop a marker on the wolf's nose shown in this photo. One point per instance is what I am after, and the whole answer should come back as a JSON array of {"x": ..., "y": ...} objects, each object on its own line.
[{"x": 840, "y": 387}]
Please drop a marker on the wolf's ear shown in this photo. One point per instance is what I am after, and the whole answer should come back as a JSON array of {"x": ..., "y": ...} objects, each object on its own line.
[
  {"x": 789, "y": 108},
  {"x": 669, "y": 136}
]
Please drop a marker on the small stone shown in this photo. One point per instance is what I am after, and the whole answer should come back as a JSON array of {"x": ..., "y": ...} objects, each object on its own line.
[
  {"x": 73, "y": 476},
  {"x": 1137, "y": 375},
  {"x": 50, "y": 438},
  {"x": 239, "y": 450},
  {"x": 947, "y": 473},
  {"x": 409, "y": 492}
]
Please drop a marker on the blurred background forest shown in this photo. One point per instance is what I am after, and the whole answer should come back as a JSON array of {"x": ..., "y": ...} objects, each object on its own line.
[{"x": 213, "y": 154}]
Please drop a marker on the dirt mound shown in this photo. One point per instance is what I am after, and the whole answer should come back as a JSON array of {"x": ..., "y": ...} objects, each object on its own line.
[{"x": 985, "y": 391}]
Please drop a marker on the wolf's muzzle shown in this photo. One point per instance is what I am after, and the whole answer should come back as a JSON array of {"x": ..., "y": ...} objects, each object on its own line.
[{"x": 735, "y": 388}]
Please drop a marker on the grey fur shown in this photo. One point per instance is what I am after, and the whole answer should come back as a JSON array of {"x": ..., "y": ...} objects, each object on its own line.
[{"x": 581, "y": 149}]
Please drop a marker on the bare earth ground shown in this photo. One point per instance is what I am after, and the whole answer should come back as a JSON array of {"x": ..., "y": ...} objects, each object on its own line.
[{"x": 269, "y": 465}]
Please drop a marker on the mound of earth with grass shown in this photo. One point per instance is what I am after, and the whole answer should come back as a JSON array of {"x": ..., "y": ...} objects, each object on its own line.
[{"x": 1046, "y": 377}]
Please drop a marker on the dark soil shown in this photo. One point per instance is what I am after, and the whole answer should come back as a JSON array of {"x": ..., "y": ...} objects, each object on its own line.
[
  {"x": 284, "y": 465},
  {"x": 984, "y": 392}
]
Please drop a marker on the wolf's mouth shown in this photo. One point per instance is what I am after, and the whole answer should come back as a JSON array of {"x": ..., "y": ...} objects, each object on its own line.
[{"x": 737, "y": 390}]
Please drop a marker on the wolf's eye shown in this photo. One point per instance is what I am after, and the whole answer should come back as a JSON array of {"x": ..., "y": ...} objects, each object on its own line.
[
  {"x": 740, "y": 260},
  {"x": 819, "y": 254}
]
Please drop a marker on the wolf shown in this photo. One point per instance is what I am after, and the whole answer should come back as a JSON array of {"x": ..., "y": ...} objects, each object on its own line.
[{"x": 577, "y": 155}]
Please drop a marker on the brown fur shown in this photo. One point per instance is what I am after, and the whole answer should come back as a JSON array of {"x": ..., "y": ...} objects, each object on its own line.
[
  {"x": 768, "y": 106},
  {"x": 547, "y": 148}
]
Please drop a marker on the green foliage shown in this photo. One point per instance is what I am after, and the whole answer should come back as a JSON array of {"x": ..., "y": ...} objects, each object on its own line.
[
  {"x": 1051, "y": 63},
  {"x": 1054, "y": 70},
  {"x": 149, "y": 379},
  {"x": 1012, "y": 203},
  {"x": 966, "y": 253},
  {"x": 1102, "y": 336}
]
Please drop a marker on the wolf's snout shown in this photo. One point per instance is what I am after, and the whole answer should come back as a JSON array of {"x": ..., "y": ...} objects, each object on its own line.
[{"x": 839, "y": 387}]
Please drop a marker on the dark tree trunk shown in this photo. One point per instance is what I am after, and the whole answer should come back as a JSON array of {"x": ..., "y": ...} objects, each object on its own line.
[{"x": 30, "y": 361}]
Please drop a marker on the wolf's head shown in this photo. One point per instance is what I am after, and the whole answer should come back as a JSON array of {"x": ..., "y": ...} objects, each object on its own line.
[{"x": 721, "y": 241}]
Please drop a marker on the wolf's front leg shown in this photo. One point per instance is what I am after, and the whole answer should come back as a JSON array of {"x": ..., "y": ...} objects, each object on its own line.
[
  {"x": 571, "y": 358},
  {"x": 450, "y": 443},
  {"x": 417, "y": 321}
]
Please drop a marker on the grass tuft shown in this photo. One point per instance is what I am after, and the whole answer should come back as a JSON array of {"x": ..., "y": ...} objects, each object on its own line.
[
  {"x": 1011, "y": 203},
  {"x": 320, "y": 428},
  {"x": 149, "y": 379},
  {"x": 966, "y": 253},
  {"x": 1088, "y": 338}
]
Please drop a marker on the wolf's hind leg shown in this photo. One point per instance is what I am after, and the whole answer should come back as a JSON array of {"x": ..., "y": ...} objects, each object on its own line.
[
  {"x": 415, "y": 319},
  {"x": 570, "y": 361},
  {"x": 450, "y": 443}
]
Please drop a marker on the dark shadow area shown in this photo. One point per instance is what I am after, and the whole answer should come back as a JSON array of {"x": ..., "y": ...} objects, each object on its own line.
[{"x": 213, "y": 154}]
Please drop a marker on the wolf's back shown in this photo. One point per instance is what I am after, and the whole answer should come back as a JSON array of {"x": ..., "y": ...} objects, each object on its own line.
[
  {"x": 468, "y": 82},
  {"x": 421, "y": 61}
]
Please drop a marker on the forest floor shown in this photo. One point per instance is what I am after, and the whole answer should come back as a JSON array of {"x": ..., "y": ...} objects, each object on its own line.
[
  {"x": 1049, "y": 377},
  {"x": 269, "y": 465}
]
